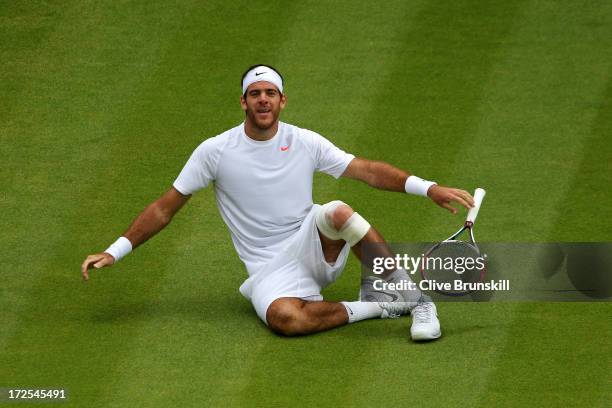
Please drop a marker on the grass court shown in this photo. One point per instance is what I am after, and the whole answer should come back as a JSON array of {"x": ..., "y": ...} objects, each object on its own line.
[{"x": 103, "y": 102}]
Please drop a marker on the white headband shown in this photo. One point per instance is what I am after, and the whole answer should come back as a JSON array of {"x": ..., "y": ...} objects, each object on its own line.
[{"x": 262, "y": 73}]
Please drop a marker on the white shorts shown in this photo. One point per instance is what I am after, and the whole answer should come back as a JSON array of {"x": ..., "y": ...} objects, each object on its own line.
[{"x": 299, "y": 270}]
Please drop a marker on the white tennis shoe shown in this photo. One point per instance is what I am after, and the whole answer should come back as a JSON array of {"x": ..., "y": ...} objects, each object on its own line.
[
  {"x": 425, "y": 323},
  {"x": 390, "y": 301},
  {"x": 393, "y": 310}
]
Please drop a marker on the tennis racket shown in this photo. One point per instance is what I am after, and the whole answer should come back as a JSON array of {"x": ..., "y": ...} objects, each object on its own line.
[{"x": 455, "y": 259}]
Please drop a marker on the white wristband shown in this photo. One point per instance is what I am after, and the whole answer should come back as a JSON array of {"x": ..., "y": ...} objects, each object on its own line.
[
  {"x": 120, "y": 248},
  {"x": 418, "y": 186}
]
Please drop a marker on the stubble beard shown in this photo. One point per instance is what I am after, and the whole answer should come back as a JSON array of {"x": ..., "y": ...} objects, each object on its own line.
[{"x": 262, "y": 125}]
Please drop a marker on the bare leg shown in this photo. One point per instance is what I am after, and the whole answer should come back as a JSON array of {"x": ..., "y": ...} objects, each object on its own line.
[{"x": 293, "y": 316}]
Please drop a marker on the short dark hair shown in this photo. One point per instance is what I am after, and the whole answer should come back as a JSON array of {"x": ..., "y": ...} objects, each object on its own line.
[{"x": 260, "y": 65}]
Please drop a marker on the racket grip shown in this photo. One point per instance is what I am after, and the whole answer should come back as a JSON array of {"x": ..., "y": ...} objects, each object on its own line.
[{"x": 478, "y": 196}]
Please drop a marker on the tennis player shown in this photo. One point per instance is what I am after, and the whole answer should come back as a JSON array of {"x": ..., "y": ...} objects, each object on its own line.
[{"x": 262, "y": 171}]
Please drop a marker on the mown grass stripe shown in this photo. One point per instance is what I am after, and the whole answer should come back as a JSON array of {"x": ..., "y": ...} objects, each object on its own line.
[
  {"x": 372, "y": 352},
  {"x": 557, "y": 88}
]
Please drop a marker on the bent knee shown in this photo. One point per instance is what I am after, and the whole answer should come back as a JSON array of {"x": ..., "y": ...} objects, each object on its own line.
[
  {"x": 285, "y": 316},
  {"x": 337, "y": 220},
  {"x": 340, "y": 215}
]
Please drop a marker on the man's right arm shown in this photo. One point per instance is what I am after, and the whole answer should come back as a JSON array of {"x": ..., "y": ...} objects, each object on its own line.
[{"x": 153, "y": 219}]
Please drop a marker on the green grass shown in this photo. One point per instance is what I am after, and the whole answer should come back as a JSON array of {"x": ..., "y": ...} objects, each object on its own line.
[{"x": 102, "y": 103}]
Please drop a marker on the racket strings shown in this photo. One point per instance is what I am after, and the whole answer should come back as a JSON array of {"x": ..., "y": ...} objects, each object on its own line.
[{"x": 452, "y": 261}]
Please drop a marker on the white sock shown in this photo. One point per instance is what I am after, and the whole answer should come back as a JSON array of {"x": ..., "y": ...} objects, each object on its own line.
[{"x": 362, "y": 310}]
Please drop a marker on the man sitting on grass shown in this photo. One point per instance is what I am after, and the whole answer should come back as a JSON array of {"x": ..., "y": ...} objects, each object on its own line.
[{"x": 263, "y": 172}]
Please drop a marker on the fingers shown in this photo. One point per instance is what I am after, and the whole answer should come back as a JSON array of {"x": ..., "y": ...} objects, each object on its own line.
[
  {"x": 467, "y": 196},
  {"x": 449, "y": 207},
  {"x": 445, "y": 196},
  {"x": 462, "y": 200},
  {"x": 86, "y": 265},
  {"x": 105, "y": 261},
  {"x": 96, "y": 261}
]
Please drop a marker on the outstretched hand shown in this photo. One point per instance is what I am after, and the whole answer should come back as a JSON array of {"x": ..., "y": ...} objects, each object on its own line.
[
  {"x": 96, "y": 261},
  {"x": 444, "y": 196}
]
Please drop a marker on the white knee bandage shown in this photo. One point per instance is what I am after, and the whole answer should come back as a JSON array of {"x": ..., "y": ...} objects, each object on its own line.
[
  {"x": 324, "y": 221},
  {"x": 353, "y": 230}
]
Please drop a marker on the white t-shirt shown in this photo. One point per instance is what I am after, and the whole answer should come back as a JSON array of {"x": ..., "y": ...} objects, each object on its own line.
[{"x": 263, "y": 189}]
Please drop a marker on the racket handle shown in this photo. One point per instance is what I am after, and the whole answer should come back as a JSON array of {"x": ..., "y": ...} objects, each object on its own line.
[{"x": 473, "y": 213}]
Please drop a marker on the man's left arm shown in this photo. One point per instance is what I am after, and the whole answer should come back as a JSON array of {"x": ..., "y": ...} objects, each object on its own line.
[{"x": 384, "y": 176}]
